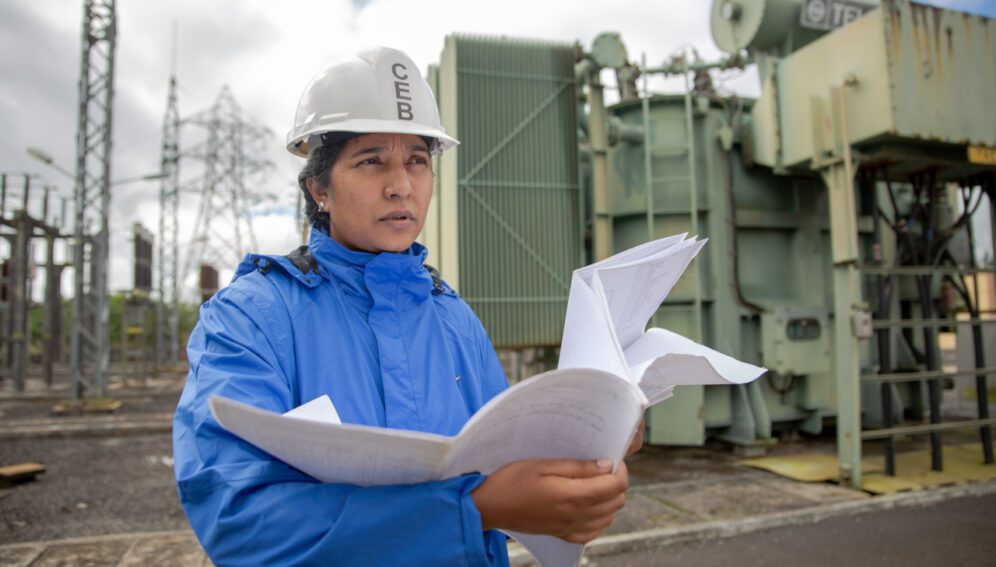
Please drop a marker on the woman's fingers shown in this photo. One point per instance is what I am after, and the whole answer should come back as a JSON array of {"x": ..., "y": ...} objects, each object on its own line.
[
  {"x": 637, "y": 443},
  {"x": 566, "y": 498}
]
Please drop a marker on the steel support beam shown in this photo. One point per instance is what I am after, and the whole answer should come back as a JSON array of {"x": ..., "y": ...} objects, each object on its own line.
[
  {"x": 92, "y": 195},
  {"x": 52, "y": 346},
  {"x": 168, "y": 306},
  {"x": 836, "y": 167},
  {"x": 18, "y": 295}
]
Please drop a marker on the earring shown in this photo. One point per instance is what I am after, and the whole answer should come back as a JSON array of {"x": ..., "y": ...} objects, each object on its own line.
[{"x": 321, "y": 206}]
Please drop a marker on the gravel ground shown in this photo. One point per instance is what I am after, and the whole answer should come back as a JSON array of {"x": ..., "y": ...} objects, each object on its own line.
[
  {"x": 110, "y": 485},
  {"x": 92, "y": 486}
]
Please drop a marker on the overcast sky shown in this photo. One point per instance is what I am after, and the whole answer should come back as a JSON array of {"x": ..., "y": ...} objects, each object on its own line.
[{"x": 266, "y": 52}]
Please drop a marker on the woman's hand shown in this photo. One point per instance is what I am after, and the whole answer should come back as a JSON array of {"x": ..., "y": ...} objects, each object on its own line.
[
  {"x": 637, "y": 443},
  {"x": 571, "y": 499}
]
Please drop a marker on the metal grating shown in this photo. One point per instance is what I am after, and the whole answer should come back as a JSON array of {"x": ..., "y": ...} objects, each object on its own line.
[{"x": 513, "y": 106}]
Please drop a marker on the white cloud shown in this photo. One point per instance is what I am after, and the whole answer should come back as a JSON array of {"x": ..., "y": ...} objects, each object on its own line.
[{"x": 266, "y": 52}]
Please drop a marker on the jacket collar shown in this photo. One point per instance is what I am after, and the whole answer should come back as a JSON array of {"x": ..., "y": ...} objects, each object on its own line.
[{"x": 372, "y": 278}]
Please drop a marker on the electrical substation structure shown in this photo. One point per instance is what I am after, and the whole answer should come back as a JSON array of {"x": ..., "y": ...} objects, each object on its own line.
[
  {"x": 20, "y": 227},
  {"x": 168, "y": 305},
  {"x": 90, "y": 350},
  {"x": 223, "y": 232}
]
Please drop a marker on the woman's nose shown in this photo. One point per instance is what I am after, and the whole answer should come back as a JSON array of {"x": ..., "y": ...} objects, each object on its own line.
[{"x": 397, "y": 185}]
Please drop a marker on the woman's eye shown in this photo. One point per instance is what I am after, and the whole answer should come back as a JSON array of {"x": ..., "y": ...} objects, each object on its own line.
[
  {"x": 419, "y": 160},
  {"x": 370, "y": 161}
]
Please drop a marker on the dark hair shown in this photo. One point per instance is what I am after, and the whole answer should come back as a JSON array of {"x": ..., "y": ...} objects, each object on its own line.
[{"x": 319, "y": 166}]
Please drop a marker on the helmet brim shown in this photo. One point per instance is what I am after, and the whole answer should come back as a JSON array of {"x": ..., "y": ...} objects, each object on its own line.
[{"x": 297, "y": 142}]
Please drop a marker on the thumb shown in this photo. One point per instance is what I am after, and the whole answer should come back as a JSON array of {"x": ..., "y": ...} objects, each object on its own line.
[{"x": 577, "y": 468}]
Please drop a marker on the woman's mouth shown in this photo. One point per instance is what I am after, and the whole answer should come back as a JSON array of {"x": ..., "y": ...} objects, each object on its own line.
[{"x": 398, "y": 219}]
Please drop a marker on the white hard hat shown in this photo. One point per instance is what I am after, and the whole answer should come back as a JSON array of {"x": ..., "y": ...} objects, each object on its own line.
[{"x": 375, "y": 90}]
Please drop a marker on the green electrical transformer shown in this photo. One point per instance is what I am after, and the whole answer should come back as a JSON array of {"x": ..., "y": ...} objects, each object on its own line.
[
  {"x": 835, "y": 205},
  {"x": 832, "y": 207},
  {"x": 758, "y": 291}
]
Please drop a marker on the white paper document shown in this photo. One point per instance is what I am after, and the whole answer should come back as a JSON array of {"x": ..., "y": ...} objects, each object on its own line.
[
  {"x": 611, "y": 369},
  {"x": 318, "y": 409}
]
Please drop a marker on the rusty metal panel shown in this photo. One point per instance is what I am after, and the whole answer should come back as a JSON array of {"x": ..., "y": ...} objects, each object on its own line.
[
  {"x": 942, "y": 72},
  {"x": 917, "y": 75},
  {"x": 855, "y": 51}
]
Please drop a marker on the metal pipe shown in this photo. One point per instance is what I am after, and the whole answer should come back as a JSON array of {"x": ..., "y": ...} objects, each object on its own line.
[
  {"x": 731, "y": 204},
  {"x": 933, "y": 388},
  {"x": 693, "y": 198},
  {"x": 915, "y": 270},
  {"x": 676, "y": 66},
  {"x": 620, "y": 131},
  {"x": 913, "y": 323},
  {"x": 931, "y": 375},
  {"x": 926, "y": 429},
  {"x": 598, "y": 137},
  {"x": 981, "y": 388},
  {"x": 883, "y": 336},
  {"x": 648, "y": 166}
]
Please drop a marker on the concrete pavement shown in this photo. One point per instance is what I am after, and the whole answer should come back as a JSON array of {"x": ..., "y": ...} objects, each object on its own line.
[
  {"x": 738, "y": 506},
  {"x": 677, "y": 496}
]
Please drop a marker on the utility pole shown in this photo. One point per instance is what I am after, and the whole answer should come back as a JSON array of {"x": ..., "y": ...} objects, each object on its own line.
[
  {"x": 15, "y": 306},
  {"x": 168, "y": 306},
  {"x": 91, "y": 306},
  {"x": 18, "y": 290}
]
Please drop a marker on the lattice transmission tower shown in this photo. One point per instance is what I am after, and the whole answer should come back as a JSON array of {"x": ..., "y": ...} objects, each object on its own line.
[
  {"x": 90, "y": 343},
  {"x": 223, "y": 232},
  {"x": 168, "y": 306}
]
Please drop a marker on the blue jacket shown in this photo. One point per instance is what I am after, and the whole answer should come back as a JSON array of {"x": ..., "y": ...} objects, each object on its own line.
[{"x": 368, "y": 331}]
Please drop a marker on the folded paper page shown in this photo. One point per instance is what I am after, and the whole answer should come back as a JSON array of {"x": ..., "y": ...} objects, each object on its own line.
[
  {"x": 632, "y": 292},
  {"x": 661, "y": 356},
  {"x": 337, "y": 453},
  {"x": 569, "y": 414},
  {"x": 588, "y": 340},
  {"x": 630, "y": 255},
  {"x": 318, "y": 409}
]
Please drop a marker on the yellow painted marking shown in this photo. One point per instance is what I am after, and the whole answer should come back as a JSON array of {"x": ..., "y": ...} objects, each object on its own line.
[{"x": 982, "y": 155}]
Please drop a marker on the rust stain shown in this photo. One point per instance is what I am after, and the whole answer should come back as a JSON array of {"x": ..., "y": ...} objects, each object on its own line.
[
  {"x": 915, "y": 28},
  {"x": 937, "y": 41},
  {"x": 949, "y": 35},
  {"x": 896, "y": 29}
]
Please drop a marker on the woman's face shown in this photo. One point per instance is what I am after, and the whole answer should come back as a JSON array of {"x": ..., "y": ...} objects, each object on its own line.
[{"x": 381, "y": 187}]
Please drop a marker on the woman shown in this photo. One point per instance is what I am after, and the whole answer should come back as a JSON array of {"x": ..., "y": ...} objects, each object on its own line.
[{"x": 357, "y": 316}]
